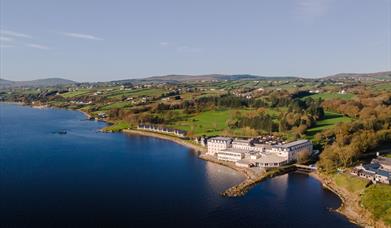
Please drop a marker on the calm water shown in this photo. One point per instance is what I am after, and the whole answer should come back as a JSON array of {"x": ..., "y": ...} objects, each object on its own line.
[{"x": 91, "y": 179}]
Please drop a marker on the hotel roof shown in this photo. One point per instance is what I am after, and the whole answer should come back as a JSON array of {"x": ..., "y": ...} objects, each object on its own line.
[
  {"x": 221, "y": 138},
  {"x": 295, "y": 143},
  {"x": 270, "y": 158},
  {"x": 234, "y": 150}
]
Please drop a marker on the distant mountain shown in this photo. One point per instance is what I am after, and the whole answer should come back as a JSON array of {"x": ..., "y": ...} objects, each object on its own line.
[
  {"x": 35, "y": 83},
  {"x": 386, "y": 75},
  {"x": 212, "y": 77}
]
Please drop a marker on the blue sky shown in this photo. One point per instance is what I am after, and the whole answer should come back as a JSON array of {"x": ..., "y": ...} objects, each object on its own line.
[{"x": 101, "y": 40}]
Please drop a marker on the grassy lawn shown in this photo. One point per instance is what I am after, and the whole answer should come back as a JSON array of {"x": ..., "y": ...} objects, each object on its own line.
[
  {"x": 330, "y": 120},
  {"x": 117, "y": 126},
  {"x": 208, "y": 123},
  {"x": 211, "y": 122},
  {"x": 377, "y": 199},
  {"x": 351, "y": 183},
  {"x": 329, "y": 96},
  {"x": 76, "y": 93},
  {"x": 121, "y": 104}
]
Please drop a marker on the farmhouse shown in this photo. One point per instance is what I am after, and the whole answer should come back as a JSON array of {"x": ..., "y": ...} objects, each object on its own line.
[{"x": 379, "y": 170}]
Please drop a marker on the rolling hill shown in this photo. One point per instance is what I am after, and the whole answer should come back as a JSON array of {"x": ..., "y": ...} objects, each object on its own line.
[
  {"x": 35, "y": 83},
  {"x": 206, "y": 77},
  {"x": 386, "y": 75}
]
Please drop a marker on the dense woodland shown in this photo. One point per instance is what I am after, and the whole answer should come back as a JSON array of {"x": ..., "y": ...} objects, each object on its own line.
[{"x": 348, "y": 142}]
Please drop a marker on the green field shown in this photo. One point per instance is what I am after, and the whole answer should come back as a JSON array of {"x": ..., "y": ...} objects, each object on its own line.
[
  {"x": 329, "y": 96},
  {"x": 117, "y": 126},
  {"x": 205, "y": 123},
  {"x": 76, "y": 93},
  {"x": 330, "y": 120},
  {"x": 212, "y": 122},
  {"x": 136, "y": 92},
  {"x": 377, "y": 199},
  {"x": 351, "y": 183},
  {"x": 121, "y": 104},
  {"x": 386, "y": 86}
]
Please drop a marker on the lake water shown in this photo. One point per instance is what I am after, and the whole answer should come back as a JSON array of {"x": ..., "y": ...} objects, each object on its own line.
[{"x": 89, "y": 179}]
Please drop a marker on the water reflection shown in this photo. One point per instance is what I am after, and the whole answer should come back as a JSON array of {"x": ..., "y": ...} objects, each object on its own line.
[
  {"x": 280, "y": 185},
  {"x": 89, "y": 179},
  {"x": 213, "y": 174}
]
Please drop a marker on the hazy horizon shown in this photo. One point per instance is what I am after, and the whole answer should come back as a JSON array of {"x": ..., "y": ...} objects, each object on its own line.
[
  {"x": 142, "y": 77},
  {"x": 105, "y": 40}
]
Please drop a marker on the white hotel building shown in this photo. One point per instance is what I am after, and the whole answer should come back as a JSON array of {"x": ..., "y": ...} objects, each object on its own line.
[
  {"x": 217, "y": 144},
  {"x": 231, "y": 154},
  {"x": 293, "y": 149},
  {"x": 245, "y": 153}
]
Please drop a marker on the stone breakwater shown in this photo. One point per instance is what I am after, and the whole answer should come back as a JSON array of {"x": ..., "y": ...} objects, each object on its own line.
[{"x": 242, "y": 188}]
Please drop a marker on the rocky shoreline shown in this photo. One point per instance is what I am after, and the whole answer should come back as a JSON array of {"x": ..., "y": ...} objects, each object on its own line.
[{"x": 350, "y": 206}]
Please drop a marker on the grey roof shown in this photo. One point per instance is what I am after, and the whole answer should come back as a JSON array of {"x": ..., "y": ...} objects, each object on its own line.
[
  {"x": 220, "y": 138},
  {"x": 234, "y": 150},
  {"x": 373, "y": 168},
  {"x": 270, "y": 158},
  {"x": 263, "y": 145},
  {"x": 383, "y": 173},
  {"x": 246, "y": 161},
  {"x": 294, "y": 143},
  {"x": 242, "y": 141},
  {"x": 382, "y": 160}
]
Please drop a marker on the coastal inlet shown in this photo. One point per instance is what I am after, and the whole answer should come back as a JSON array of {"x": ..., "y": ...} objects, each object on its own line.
[{"x": 89, "y": 179}]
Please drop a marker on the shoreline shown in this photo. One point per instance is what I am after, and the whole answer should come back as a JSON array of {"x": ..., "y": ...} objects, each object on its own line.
[
  {"x": 166, "y": 137},
  {"x": 240, "y": 189},
  {"x": 350, "y": 204},
  {"x": 347, "y": 208},
  {"x": 12, "y": 102}
]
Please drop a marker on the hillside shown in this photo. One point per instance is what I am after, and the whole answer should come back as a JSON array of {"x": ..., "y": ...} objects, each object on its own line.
[
  {"x": 213, "y": 77},
  {"x": 35, "y": 83},
  {"x": 386, "y": 75}
]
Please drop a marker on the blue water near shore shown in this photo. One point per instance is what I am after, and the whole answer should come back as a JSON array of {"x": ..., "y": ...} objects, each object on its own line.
[{"x": 89, "y": 179}]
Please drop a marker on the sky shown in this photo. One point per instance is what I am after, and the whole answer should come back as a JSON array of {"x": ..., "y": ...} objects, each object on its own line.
[{"x": 102, "y": 40}]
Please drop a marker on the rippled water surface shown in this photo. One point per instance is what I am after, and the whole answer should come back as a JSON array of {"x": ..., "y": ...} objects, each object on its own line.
[{"x": 90, "y": 179}]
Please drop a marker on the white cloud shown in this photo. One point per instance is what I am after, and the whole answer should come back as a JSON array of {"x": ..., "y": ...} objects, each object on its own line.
[
  {"x": 14, "y": 34},
  {"x": 313, "y": 8},
  {"x": 163, "y": 44},
  {"x": 38, "y": 46},
  {"x": 81, "y": 36},
  {"x": 4, "y": 38}
]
